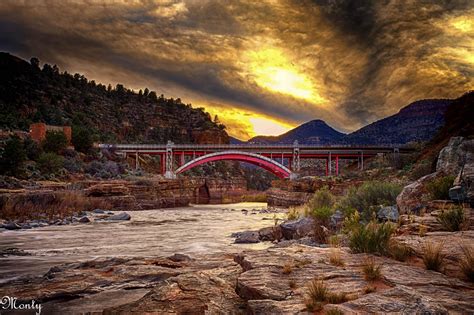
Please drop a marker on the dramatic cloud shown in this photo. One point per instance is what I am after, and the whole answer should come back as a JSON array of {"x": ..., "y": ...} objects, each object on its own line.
[{"x": 261, "y": 66}]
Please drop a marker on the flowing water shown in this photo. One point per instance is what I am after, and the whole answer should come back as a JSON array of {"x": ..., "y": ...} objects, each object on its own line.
[{"x": 190, "y": 230}]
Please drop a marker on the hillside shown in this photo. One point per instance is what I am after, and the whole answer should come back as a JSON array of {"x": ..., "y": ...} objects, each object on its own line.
[
  {"x": 312, "y": 132},
  {"x": 418, "y": 121},
  {"x": 29, "y": 94}
]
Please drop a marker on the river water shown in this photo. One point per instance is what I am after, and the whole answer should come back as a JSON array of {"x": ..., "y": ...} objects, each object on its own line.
[{"x": 190, "y": 230}]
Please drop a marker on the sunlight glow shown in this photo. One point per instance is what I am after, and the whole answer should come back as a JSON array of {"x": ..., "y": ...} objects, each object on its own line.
[{"x": 272, "y": 70}]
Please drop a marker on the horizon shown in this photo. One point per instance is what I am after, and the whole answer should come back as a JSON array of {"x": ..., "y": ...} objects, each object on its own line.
[{"x": 346, "y": 63}]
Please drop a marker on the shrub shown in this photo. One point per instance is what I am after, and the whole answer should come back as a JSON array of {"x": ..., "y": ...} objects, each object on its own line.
[
  {"x": 50, "y": 163},
  {"x": 44, "y": 207},
  {"x": 421, "y": 169},
  {"x": 369, "y": 195},
  {"x": 336, "y": 298},
  {"x": 318, "y": 293},
  {"x": 82, "y": 139},
  {"x": 334, "y": 311},
  {"x": 317, "y": 290},
  {"x": 13, "y": 157},
  {"x": 467, "y": 262},
  {"x": 371, "y": 238},
  {"x": 439, "y": 187},
  {"x": 399, "y": 252},
  {"x": 335, "y": 257},
  {"x": 433, "y": 257},
  {"x": 294, "y": 213},
  {"x": 321, "y": 199},
  {"x": 55, "y": 141},
  {"x": 371, "y": 270},
  {"x": 321, "y": 222},
  {"x": 422, "y": 229},
  {"x": 452, "y": 220}
]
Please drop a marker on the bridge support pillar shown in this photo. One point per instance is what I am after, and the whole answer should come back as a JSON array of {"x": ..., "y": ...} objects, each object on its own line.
[
  {"x": 330, "y": 164},
  {"x": 295, "y": 161},
  {"x": 337, "y": 165},
  {"x": 169, "y": 163}
]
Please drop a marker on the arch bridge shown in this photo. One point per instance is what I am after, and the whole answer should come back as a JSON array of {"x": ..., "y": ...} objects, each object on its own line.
[{"x": 282, "y": 160}]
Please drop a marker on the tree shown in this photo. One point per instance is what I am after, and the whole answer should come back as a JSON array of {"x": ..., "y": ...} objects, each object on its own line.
[
  {"x": 82, "y": 139},
  {"x": 55, "y": 141},
  {"x": 13, "y": 157},
  {"x": 35, "y": 62},
  {"x": 50, "y": 163},
  {"x": 146, "y": 92}
]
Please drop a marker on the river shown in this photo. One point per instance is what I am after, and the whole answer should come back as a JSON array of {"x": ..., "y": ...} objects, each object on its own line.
[{"x": 190, "y": 230}]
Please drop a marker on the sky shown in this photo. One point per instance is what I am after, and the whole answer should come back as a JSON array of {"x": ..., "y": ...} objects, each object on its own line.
[{"x": 262, "y": 66}]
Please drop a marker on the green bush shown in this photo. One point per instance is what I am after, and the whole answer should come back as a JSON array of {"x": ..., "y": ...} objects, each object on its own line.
[
  {"x": 82, "y": 139},
  {"x": 321, "y": 198},
  {"x": 13, "y": 157},
  {"x": 439, "y": 188},
  {"x": 50, "y": 163},
  {"x": 55, "y": 141},
  {"x": 452, "y": 220},
  {"x": 322, "y": 213},
  {"x": 369, "y": 196},
  {"x": 370, "y": 238}
]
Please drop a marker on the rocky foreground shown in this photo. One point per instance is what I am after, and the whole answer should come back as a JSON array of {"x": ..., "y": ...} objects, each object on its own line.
[{"x": 272, "y": 281}]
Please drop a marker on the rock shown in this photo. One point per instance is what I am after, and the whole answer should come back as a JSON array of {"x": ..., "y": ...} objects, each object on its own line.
[
  {"x": 272, "y": 233},
  {"x": 336, "y": 219},
  {"x": 11, "y": 226},
  {"x": 179, "y": 258},
  {"x": 123, "y": 216},
  {"x": 26, "y": 226},
  {"x": 246, "y": 237},
  {"x": 98, "y": 211},
  {"x": 13, "y": 251},
  {"x": 453, "y": 157},
  {"x": 84, "y": 220},
  {"x": 388, "y": 214},
  {"x": 35, "y": 224},
  {"x": 296, "y": 229},
  {"x": 415, "y": 196}
]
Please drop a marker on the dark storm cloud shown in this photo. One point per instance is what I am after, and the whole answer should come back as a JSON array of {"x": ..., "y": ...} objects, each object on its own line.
[{"x": 359, "y": 60}]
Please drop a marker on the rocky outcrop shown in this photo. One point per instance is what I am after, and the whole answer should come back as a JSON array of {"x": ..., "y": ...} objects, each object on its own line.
[
  {"x": 456, "y": 159},
  {"x": 286, "y": 193},
  {"x": 271, "y": 289}
]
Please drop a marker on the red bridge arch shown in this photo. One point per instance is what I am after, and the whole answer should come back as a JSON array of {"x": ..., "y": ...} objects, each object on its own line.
[{"x": 256, "y": 159}]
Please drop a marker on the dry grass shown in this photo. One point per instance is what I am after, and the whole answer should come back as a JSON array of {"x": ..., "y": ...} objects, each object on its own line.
[
  {"x": 334, "y": 311},
  {"x": 399, "y": 252},
  {"x": 287, "y": 269},
  {"x": 318, "y": 294},
  {"x": 422, "y": 230},
  {"x": 49, "y": 205},
  {"x": 292, "y": 284},
  {"x": 433, "y": 257},
  {"x": 372, "y": 271},
  {"x": 467, "y": 262},
  {"x": 255, "y": 197},
  {"x": 335, "y": 257}
]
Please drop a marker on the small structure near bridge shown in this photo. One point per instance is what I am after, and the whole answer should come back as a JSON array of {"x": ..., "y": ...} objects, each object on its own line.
[{"x": 38, "y": 131}]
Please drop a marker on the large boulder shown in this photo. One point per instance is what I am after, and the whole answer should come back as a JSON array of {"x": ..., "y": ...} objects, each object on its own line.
[
  {"x": 246, "y": 237},
  {"x": 296, "y": 229},
  {"x": 415, "y": 196}
]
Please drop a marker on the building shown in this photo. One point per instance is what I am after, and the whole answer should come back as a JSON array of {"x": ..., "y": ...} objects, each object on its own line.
[{"x": 38, "y": 131}]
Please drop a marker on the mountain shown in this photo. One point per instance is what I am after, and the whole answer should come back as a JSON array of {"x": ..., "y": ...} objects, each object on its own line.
[
  {"x": 312, "y": 132},
  {"x": 416, "y": 122},
  {"x": 233, "y": 140},
  {"x": 30, "y": 94}
]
